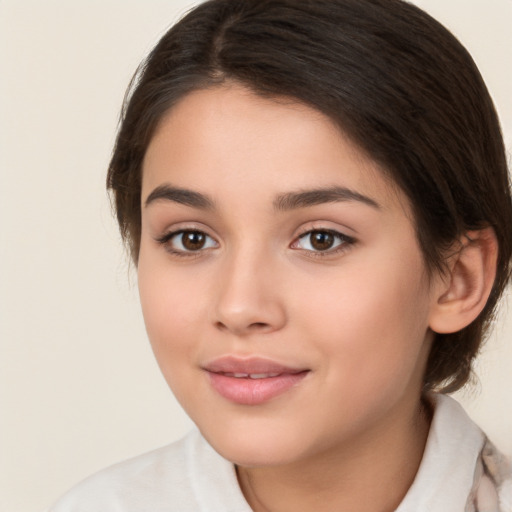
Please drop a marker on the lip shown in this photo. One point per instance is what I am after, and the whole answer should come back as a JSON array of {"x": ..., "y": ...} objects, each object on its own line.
[{"x": 257, "y": 380}]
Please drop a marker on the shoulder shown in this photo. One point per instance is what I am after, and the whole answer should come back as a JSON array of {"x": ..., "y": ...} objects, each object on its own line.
[
  {"x": 460, "y": 469},
  {"x": 179, "y": 477},
  {"x": 493, "y": 480},
  {"x": 119, "y": 487}
]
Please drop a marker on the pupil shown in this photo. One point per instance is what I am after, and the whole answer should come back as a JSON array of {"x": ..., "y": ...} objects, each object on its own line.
[
  {"x": 193, "y": 240},
  {"x": 322, "y": 240}
]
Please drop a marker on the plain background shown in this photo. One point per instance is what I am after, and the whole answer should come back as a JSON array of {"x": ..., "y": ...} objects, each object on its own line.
[{"x": 79, "y": 388}]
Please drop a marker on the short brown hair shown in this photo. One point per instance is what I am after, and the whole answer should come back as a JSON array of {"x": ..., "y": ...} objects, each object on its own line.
[{"x": 395, "y": 81}]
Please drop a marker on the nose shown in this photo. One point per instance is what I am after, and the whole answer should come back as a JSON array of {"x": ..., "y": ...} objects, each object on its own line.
[{"x": 249, "y": 299}]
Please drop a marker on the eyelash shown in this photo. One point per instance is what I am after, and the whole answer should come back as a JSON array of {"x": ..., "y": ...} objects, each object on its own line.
[
  {"x": 167, "y": 238},
  {"x": 345, "y": 242}
]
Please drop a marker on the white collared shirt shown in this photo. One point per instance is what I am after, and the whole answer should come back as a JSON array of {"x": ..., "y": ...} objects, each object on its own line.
[{"x": 189, "y": 476}]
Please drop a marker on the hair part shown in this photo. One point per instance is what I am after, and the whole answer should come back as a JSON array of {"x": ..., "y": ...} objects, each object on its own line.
[{"x": 391, "y": 77}]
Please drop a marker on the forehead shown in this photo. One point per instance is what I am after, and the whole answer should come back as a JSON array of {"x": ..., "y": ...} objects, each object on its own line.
[{"x": 214, "y": 138}]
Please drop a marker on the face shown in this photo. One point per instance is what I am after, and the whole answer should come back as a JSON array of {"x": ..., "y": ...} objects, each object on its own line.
[{"x": 282, "y": 286}]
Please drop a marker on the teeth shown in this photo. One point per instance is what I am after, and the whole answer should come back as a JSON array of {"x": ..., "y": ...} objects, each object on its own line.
[{"x": 251, "y": 375}]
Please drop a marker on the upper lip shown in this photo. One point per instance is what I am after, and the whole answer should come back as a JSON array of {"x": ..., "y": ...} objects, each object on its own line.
[{"x": 251, "y": 365}]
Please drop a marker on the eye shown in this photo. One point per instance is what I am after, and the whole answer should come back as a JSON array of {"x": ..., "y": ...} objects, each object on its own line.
[
  {"x": 187, "y": 241},
  {"x": 322, "y": 240}
]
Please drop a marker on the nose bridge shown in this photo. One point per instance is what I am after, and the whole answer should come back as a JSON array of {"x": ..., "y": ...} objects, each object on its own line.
[{"x": 248, "y": 298}]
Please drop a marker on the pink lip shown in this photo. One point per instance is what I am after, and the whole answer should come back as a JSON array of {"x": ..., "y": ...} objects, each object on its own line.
[{"x": 245, "y": 390}]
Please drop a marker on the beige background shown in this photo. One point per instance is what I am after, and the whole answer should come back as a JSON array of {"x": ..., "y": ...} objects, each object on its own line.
[{"x": 78, "y": 385}]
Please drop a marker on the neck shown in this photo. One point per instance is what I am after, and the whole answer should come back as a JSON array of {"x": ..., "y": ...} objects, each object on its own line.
[{"x": 369, "y": 474}]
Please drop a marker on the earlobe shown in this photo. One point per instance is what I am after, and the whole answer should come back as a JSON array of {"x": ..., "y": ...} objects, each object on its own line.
[{"x": 462, "y": 294}]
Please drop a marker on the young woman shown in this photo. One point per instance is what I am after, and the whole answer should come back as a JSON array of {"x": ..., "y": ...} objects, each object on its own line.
[{"x": 316, "y": 197}]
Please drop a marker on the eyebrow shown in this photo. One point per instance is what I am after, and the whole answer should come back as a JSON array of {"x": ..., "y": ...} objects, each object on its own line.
[
  {"x": 303, "y": 199},
  {"x": 181, "y": 196},
  {"x": 283, "y": 202}
]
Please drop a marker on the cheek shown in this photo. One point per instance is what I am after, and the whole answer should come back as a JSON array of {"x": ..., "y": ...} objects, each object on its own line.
[
  {"x": 170, "y": 309},
  {"x": 171, "y": 304},
  {"x": 370, "y": 322}
]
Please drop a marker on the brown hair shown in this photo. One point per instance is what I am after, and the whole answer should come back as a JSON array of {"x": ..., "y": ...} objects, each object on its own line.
[{"x": 394, "y": 79}]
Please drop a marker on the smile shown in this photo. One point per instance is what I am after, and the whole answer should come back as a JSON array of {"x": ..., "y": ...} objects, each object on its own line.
[
  {"x": 252, "y": 381},
  {"x": 251, "y": 375}
]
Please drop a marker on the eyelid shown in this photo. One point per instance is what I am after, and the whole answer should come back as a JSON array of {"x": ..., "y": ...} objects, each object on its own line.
[
  {"x": 167, "y": 237},
  {"x": 171, "y": 234},
  {"x": 346, "y": 241},
  {"x": 166, "y": 231}
]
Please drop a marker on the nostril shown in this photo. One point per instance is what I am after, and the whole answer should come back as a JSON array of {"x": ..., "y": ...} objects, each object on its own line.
[
  {"x": 255, "y": 326},
  {"x": 220, "y": 326},
  {"x": 258, "y": 325}
]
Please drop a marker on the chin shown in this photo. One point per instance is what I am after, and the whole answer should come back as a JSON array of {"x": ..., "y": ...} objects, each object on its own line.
[{"x": 261, "y": 449}]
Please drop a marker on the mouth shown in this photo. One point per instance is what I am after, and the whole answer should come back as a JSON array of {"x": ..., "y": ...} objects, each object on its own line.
[
  {"x": 250, "y": 375},
  {"x": 252, "y": 381}
]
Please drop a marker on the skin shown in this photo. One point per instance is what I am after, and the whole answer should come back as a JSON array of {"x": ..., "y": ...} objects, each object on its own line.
[{"x": 351, "y": 434}]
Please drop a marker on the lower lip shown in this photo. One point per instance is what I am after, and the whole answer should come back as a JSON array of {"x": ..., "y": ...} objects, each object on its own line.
[{"x": 246, "y": 391}]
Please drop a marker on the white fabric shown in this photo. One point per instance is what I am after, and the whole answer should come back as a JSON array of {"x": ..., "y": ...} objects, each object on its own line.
[
  {"x": 445, "y": 476},
  {"x": 189, "y": 476},
  {"x": 186, "y": 476}
]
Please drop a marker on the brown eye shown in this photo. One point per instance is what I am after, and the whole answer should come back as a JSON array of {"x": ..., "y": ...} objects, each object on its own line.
[
  {"x": 187, "y": 241},
  {"x": 193, "y": 240},
  {"x": 321, "y": 240}
]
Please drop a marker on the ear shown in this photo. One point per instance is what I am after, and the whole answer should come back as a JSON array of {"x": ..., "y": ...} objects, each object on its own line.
[{"x": 461, "y": 295}]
